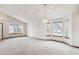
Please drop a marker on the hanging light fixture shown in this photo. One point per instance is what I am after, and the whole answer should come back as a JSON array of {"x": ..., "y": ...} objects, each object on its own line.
[{"x": 45, "y": 20}]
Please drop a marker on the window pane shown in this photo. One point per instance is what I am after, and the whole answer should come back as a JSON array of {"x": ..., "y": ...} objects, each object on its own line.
[
  {"x": 57, "y": 28},
  {"x": 13, "y": 28}
]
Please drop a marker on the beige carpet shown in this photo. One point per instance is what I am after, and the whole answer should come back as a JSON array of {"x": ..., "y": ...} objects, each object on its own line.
[{"x": 32, "y": 46}]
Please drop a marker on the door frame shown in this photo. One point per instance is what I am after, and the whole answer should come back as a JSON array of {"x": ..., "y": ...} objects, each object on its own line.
[{"x": 2, "y": 30}]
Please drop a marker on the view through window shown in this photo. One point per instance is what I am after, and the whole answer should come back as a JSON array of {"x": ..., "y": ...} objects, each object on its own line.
[
  {"x": 13, "y": 28},
  {"x": 57, "y": 28}
]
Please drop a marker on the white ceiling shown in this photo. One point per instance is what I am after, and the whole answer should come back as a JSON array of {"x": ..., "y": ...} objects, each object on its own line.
[{"x": 35, "y": 12}]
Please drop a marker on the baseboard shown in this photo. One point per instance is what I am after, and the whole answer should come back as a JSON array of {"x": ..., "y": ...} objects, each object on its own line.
[{"x": 14, "y": 37}]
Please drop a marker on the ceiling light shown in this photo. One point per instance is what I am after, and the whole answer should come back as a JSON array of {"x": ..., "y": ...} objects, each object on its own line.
[{"x": 45, "y": 20}]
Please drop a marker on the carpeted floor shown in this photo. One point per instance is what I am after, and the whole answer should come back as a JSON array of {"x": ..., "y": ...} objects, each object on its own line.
[{"x": 32, "y": 46}]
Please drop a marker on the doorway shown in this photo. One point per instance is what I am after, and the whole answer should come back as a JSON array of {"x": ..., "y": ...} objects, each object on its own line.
[{"x": 1, "y": 31}]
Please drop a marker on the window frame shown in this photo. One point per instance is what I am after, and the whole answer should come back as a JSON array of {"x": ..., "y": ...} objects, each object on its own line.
[{"x": 16, "y": 32}]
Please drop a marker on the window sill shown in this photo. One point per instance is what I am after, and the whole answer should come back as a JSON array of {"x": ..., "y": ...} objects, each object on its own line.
[
  {"x": 14, "y": 33},
  {"x": 57, "y": 36}
]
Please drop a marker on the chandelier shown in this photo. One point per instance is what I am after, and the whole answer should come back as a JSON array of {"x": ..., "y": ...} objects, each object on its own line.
[{"x": 45, "y": 20}]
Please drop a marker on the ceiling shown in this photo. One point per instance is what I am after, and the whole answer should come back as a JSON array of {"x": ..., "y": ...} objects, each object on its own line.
[{"x": 35, "y": 12}]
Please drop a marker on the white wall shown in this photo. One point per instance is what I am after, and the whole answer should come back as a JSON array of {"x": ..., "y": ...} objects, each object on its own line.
[
  {"x": 75, "y": 29},
  {"x": 35, "y": 29}
]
